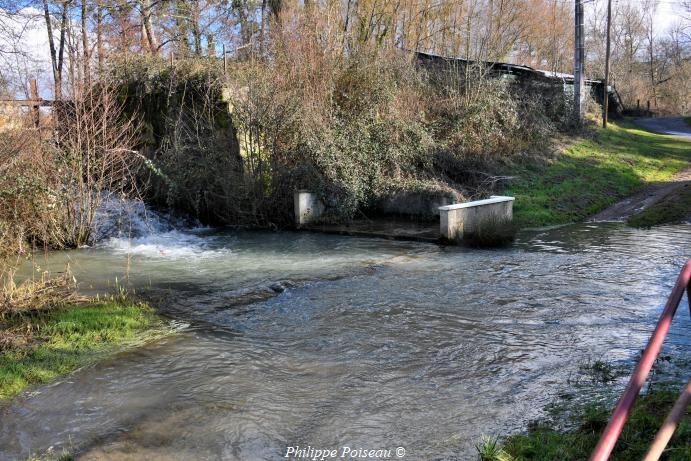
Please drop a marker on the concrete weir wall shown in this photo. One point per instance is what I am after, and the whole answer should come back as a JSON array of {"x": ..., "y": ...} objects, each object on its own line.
[
  {"x": 416, "y": 204},
  {"x": 308, "y": 208},
  {"x": 460, "y": 219}
]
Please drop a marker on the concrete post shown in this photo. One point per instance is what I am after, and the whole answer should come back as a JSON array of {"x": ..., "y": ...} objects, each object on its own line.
[
  {"x": 460, "y": 219},
  {"x": 308, "y": 207}
]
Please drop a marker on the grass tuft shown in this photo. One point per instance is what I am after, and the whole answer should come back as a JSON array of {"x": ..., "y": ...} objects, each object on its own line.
[
  {"x": 70, "y": 337},
  {"x": 489, "y": 449}
]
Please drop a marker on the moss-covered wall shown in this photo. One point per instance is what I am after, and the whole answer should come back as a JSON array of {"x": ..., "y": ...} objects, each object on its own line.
[{"x": 187, "y": 134}]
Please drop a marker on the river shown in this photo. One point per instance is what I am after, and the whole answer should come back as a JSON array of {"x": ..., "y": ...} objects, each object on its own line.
[{"x": 299, "y": 339}]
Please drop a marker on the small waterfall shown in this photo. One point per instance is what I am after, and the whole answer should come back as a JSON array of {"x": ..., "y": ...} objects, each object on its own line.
[
  {"x": 132, "y": 218},
  {"x": 130, "y": 226}
]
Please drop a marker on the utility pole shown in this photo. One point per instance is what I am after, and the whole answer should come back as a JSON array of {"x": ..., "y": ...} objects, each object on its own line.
[
  {"x": 578, "y": 63},
  {"x": 605, "y": 98}
]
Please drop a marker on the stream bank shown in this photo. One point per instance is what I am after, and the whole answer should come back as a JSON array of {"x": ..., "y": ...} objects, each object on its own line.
[
  {"x": 573, "y": 428},
  {"x": 50, "y": 343}
]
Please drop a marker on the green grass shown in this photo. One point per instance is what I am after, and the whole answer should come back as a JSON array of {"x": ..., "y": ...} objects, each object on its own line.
[
  {"x": 594, "y": 174},
  {"x": 543, "y": 443},
  {"x": 74, "y": 336},
  {"x": 672, "y": 209}
]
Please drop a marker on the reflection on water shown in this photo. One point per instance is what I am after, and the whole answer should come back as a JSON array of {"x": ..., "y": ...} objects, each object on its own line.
[{"x": 304, "y": 339}]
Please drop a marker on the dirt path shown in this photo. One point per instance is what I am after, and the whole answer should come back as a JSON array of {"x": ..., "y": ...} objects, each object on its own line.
[
  {"x": 651, "y": 195},
  {"x": 656, "y": 192}
]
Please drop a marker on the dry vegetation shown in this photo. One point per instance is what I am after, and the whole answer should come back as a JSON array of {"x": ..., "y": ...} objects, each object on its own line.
[
  {"x": 29, "y": 298},
  {"x": 356, "y": 128},
  {"x": 323, "y": 94},
  {"x": 52, "y": 187}
]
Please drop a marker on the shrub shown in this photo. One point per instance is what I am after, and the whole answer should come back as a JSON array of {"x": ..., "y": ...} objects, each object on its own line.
[
  {"x": 52, "y": 189},
  {"x": 329, "y": 123},
  {"x": 352, "y": 125},
  {"x": 30, "y": 211},
  {"x": 95, "y": 157}
]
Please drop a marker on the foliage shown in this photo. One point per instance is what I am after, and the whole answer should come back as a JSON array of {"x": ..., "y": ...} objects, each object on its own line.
[
  {"x": 593, "y": 173},
  {"x": 315, "y": 119},
  {"x": 354, "y": 128}
]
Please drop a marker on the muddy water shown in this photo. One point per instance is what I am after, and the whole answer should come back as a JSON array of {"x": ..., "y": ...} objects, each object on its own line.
[{"x": 302, "y": 339}]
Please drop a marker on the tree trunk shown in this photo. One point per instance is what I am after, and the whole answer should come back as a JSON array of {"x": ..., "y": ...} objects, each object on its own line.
[
  {"x": 99, "y": 37},
  {"x": 196, "y": 32},
  {"x": 56, "y": 56},
  {"x": 147, "y": 26},
  {"x": 181, "y": 23},
  {"x": 85, "y": 46}
]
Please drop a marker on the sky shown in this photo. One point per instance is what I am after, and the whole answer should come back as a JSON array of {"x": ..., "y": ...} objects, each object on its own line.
[
  {"x": 669, "y": 12},
  {"x": 34, "y": 43}
]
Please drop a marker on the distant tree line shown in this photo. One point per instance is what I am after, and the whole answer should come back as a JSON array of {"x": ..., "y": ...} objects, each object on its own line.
[{"x": 647, "y": 63}]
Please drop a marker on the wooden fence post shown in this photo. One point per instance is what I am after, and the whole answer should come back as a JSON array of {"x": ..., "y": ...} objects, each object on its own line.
[{"x": 35, "y": 103}]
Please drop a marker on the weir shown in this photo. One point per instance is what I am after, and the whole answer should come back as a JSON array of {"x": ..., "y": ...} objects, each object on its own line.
[
  {"x": 461, "y": 219},
  {"x": 456, "y": 221}
]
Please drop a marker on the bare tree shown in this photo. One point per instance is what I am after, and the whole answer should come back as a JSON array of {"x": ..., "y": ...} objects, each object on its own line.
[
  {"x": 95, "y": 149},
  {"x": 650, "y": 8},
  {"x": 57, "y": 55}
]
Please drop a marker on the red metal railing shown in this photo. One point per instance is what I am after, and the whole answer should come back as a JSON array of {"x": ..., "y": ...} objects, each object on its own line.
[{"x": 621, "y": 412}]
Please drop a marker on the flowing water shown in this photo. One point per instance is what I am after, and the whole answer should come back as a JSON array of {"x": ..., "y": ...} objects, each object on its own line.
[{"x": 298, "y": 339}]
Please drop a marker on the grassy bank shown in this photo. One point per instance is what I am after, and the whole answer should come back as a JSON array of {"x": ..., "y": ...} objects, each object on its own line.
[
  {"x": 672, "y": 209},
  {"x": 69, "y": 337},
  {"x": 594, "y": 173},
  {"x": 544, "y": 443}
]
